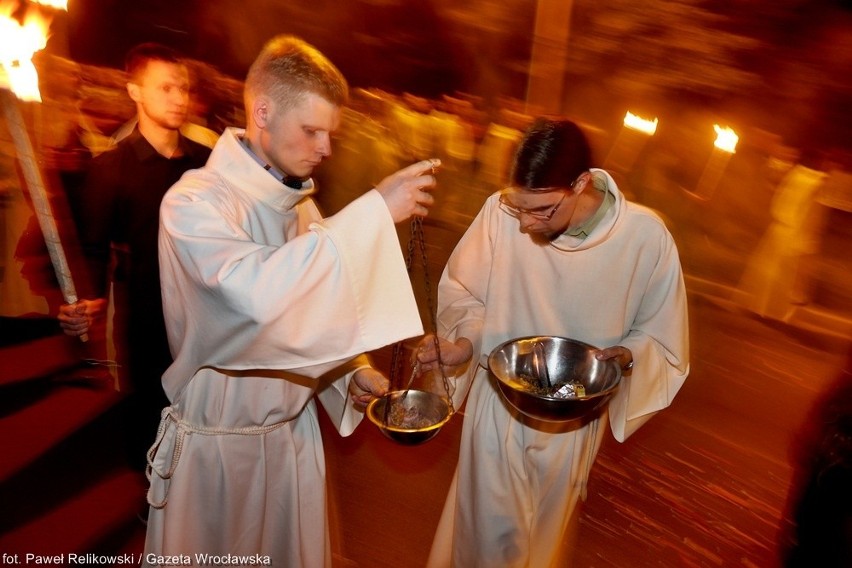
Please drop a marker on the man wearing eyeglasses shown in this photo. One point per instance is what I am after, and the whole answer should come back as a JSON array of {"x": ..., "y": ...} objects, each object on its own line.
[{"x": 559, "y": 252}]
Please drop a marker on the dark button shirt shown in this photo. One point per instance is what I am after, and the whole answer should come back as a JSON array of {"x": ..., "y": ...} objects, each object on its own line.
[
  {"x": 120, "y": 208},
  {"x": 121, "y": 204}
]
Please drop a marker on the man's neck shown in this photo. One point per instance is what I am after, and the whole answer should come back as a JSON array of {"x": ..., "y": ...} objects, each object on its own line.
[{"x": 164, "y": 140}]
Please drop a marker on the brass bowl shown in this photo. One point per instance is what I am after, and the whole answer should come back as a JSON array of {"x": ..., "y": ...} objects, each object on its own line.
[
  {"x": 517, "y": 367},
  {"x": 431, "y": 409}
]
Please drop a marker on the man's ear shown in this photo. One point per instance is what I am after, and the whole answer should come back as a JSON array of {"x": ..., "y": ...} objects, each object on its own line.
[
  {"x": 133, "y": 92},
  {"x": 260, "y": 111},
  {"x": 582, "y": 183}
]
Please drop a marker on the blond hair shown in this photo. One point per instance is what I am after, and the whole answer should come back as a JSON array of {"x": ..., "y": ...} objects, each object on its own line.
[{"x": 288, "y": 68}]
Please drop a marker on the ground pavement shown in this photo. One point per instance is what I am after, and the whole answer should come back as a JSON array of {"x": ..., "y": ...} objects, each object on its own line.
[{"x": 704, "y": 483}]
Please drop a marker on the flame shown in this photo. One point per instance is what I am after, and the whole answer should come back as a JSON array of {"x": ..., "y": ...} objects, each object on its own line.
[
  {"x": 19, "y": 41},
  {"x": 58, "y": 4},
  {"x": 726, "y": 139},
  {"x": 641, "y": 124}
]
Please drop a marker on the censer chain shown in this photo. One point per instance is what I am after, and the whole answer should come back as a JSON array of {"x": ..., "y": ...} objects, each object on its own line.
[{"x": 417, "y": 237}]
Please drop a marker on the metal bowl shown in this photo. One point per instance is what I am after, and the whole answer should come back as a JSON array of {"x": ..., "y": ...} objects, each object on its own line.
[
  {"x": 580, "y": 384},
  {"x": 430, "y": 409}
]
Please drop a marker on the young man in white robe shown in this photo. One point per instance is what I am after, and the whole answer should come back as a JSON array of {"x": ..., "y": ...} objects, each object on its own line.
[
  {"x": 266, "y": 304},
  {"x": 560, "y": 252}
]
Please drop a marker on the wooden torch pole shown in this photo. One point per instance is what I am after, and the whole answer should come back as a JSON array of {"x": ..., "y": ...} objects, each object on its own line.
[{"x": 38, "y": 192}]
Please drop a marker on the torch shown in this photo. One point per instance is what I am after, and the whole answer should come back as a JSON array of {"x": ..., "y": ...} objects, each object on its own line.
[
  {"x": 632, "y": 137},
  {"x": 19, "y": 81},
  {"x": 723, "y": 147}
]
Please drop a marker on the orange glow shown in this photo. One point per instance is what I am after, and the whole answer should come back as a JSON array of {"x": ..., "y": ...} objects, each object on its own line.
[
  {"x": 635, "y": 122},
  {"x": 58, "y": 4},
  {"x": 726, "y": 139},
  {"x": 19, "y": 41}
]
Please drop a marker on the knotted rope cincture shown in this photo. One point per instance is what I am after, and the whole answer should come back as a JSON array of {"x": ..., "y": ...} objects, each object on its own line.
[{"x": 183, "y": 428}]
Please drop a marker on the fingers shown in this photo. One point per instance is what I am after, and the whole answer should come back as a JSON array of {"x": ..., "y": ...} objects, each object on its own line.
[
  {"x": 73, "y": 319},
  {"x": 74, "y": 331},
  {"x": 422, "y": 203},
  {"x": 361, "y": 402},
  {"x": 608, "y": 353},
  {"x": 76, "y": 319},
  {"x": 421, "y": 175},
  {"x": 430, "y": 174},
  {"x": 431, "y": 359},
  {"x": 422, "y": 167},
  {"x": 407, "y": 192},
  {"x": 75, "y": 326},
  {"x": 622, "y": 355},
  {"x": 424, "y": 178},
  {"x": 76, "y": 309},
  {"x": 82, "y": 308},
  {"x": 426, "y": 353},
  {"x": 368, "y": 383}
]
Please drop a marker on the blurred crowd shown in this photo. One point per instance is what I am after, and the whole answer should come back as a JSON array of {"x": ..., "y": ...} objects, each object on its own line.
[{"x": 734, "y": 232}]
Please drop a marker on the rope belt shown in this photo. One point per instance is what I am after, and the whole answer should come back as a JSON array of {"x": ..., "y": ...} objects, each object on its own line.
[{"x": 183, "y": 428}]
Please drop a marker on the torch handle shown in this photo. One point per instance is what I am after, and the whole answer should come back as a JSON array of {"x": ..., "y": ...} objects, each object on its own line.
[{"x": 41, "y": 204}]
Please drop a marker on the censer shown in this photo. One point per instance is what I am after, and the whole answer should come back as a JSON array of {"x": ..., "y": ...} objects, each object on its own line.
[{"x": 406, "y": 415}]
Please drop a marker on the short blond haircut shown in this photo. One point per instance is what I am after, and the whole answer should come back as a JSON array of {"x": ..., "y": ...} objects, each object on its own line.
[{"x": 288, "y": 68}]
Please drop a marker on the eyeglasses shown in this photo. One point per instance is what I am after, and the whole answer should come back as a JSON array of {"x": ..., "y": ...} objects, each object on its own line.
[
  {"x": 517, "y": 211},
  {"x": 541, "y": 215}
]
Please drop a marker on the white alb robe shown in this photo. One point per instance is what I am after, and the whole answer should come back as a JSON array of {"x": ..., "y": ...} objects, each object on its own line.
[
  {"x": 266, "y": 303},
  {"x": 516, "y": 484}
]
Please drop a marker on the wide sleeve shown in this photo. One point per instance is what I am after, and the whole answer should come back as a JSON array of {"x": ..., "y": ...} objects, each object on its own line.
[
  {"x": 461, "y": 296},
  {"x": 659, "y": 341},
  {"x": 305, "y": 305},
  {"x": 333, "y": 394}
]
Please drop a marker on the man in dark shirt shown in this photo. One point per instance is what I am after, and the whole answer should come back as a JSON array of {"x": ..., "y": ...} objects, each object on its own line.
[{"x": 119, "y": 221}]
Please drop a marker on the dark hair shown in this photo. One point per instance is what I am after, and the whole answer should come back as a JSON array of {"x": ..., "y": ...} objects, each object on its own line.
[
  {"x": 552, "y": 153},
  {"x": 288, "y": 68},
  {"x": 139, "y": 56}
]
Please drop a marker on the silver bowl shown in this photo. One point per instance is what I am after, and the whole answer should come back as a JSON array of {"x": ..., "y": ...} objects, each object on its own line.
[
  {"x": 430, "y": 412},
  {"x": 579, "y": 385}
]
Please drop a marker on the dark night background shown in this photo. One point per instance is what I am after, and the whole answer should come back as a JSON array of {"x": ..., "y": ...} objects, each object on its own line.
[{"x": 753, "y": 59}]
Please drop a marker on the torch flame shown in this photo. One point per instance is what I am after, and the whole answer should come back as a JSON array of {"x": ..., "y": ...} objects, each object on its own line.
[
  {"x": 18, "y": 43},
  {"x": 641, "y": 124},
  {"x": 58, "y": 4},
  {"x": 726, "y": 139}
]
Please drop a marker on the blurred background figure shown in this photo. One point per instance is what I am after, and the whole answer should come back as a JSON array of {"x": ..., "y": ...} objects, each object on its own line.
[
  {"x": 199, "y": 114},
  {"x": 119, "y": 219},
  {"x": 777, "y": 276},
  {"x": 412, "y": 124},
  {"x": 495, "y": 152},
  {"x": 30, "y": 288},
  {"x": 454, "y": 134},
  {"x": 24, "y": 291},
  {"x": 820, "y": 499}
]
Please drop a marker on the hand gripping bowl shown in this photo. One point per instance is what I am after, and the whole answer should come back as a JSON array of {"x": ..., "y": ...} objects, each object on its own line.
[
  {"x": 580, "y": 384},
  {"x": 425, "y": 413}
]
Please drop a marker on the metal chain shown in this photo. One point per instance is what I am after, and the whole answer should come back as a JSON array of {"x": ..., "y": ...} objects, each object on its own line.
[
  {"x": 396, "y": 377},
  {"x": 417, "y": 236}
]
